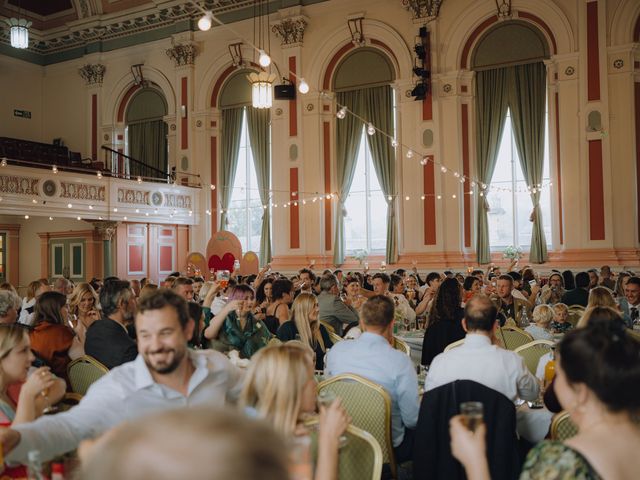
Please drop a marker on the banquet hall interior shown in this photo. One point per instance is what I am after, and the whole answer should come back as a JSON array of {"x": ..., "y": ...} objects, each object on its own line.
[{"x": 166, "y": 142}]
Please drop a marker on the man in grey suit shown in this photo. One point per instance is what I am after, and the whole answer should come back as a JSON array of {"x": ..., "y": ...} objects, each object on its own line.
[
  {"x": 630, "y": 304},
  {"x": 333, "y": 310}
]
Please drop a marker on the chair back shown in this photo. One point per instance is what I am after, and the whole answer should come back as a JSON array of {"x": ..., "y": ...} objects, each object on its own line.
[
  {"x": 83, "y": 371},
  {"x": 359, "y": 459},
  {"x": 513, "y": 337},
  {"x": 335, "y": 338},
  {"x": 402, "y": 346},
  {"x": 369, "y": 406},
  {"x": 455, "y": 344},
  {"x": 562, "y": 427},
  {"x": 575, "y": 314},
  {"x": 533, "y": 351}
]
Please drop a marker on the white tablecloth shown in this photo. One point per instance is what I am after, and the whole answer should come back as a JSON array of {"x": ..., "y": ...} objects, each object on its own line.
[
  {"x": 414, "y": 340},
  {"x": 533, "y": 423}
]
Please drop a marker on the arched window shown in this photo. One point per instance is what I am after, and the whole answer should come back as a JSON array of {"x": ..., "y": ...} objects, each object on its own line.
[
  {"x": 245, "y": 172},
  {"x": 146, "y": 135},
  {"x": 365, "y": 163},
  {"x": 512, "y": 140}
]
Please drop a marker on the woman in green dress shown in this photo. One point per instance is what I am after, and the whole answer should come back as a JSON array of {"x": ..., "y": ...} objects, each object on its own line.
[{"x": 598, "y": 383}]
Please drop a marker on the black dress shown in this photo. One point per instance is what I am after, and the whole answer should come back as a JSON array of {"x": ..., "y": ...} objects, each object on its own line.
[
  {"x": 289, "y": 331},
  {"x": 441, "y": 334},
  {"x": 271, "y": 321}
]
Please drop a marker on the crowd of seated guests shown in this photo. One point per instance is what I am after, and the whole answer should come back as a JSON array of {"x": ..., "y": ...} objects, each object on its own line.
[{"x": 156, "y": 340}]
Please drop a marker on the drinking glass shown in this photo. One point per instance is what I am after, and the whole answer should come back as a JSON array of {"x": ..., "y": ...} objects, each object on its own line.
[
  {"x": 223, "y": 278},
  {"x": 326, "y": 398},
  {"x": 472, "y": 414},
  {"x": 300, "y": 462}
]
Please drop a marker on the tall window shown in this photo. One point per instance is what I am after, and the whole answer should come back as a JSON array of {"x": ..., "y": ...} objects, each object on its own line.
[
  {"x": 509, "y": 200},
  {"x": 245, "y": 208},
  {"x": 366, "y": 221}
]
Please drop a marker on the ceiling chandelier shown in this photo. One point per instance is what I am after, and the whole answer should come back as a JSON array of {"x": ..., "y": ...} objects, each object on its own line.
[
  {"x": 19, "y": 30},
  {"x": 262, "y": 82}
]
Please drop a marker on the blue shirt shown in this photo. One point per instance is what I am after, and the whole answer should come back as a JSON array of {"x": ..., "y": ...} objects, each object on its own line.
[{"x": 371, "y": 357}]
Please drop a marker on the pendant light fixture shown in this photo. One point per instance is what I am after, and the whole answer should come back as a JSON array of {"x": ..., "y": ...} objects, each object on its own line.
[
  {"x": 19, "y": 31},
  {"x": 262, "y": 82}
]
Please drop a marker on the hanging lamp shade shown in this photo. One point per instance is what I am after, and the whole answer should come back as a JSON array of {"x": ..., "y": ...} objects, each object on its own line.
[
  {"x": 261, "y": 89},
  {"x": 19, "y": 31}
]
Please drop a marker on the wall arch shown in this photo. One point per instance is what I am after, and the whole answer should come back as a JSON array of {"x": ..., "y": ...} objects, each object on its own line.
[
  {"x": 379, "y": 35},
  {"x": 124, "y": 88},
  {"x": 473, "y": 21},
  {"x": 625, "y": 23}
]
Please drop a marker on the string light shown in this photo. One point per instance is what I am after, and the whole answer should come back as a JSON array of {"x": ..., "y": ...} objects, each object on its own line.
[
  {"x": 423, "y": 161},
  {"x": 26, "y": 217},
  {"x": 69, "y": 205},
  {"x": 54, "y": 169},
  {"x": 99, "y": 174},
  {"x": 443, "y": 169},
  {"x": 303, "y": 86},
  {"x": 409, "y": 153},
  {"x": 264, "y": 59},
  {"x": 342, "y": 113},
  {"x": 394, "y": 143},
  {"x": 371, "y": 129}
]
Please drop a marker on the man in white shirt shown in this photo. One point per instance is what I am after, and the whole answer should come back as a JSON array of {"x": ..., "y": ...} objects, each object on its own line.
[
  {"x": 372, "y": 356},
  {"x": 165, "y": 375},
  {"x": 478, "y": 359},
  {"x": 630, "y": 304}
]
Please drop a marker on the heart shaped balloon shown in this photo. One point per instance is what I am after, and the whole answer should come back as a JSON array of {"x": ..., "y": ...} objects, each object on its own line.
[{"x": 225, "y": 263}]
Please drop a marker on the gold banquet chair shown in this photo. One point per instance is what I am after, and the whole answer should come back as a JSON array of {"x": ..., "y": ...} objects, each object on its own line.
[
  {"x": 562, "y": 428},
  {"x": 455, "y": 344},
  {"x": 369, "y": 406},
  {"x": 359, "y": 459},
  {"x": 513, "y": 337},
  {"x": 402, "y": 346},
  {"x": 533, "y": 351},
  {"x": 575, "y": 314},
  {"x": 83, "y": 371}
]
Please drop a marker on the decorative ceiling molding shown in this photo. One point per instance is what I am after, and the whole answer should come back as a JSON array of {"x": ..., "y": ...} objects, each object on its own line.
[{"x": 95, "y": 27}]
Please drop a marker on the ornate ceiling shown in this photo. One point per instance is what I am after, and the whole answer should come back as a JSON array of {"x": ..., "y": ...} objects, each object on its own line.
[{"x": 66, "y": 29}]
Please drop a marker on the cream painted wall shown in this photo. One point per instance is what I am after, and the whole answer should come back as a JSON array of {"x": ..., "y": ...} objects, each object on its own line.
[
  {"x": 30, "y": 242},
  {"x": 66, "y": 101},
  {"x": 21, "y": 87}
]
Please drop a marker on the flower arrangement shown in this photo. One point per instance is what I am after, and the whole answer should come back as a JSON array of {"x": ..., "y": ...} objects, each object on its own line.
[
  {"x": 360, "y": 255},
  {"x": 512, "y": 252}
]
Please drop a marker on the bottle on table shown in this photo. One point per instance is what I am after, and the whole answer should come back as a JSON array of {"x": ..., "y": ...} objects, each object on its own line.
[
  {"x": 549, "y": 371},
  {"x": 524, "y": 318}
]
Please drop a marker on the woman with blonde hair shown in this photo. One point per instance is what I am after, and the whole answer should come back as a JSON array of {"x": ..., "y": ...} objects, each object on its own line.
[
  {"x": 84, "y": 309},
  {"x": 22, "y": 398},
  {"x": 305, "y": 326},
  {"x": 34, "y": 290},
  {"x": 601, "y": 297},
  {"x": 285, "y": 399},
  {"x": 541, "y": 328}
]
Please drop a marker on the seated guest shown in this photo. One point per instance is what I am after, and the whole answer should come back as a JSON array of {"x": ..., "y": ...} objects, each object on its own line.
[
  {"x": 34, "y": 290},
  {"x": 9, "y": 305},
  {"x": 429, "y": 290},
  {"x": 278, "y": 311},
  {"x": 561, "y": 323},
  {"x": 36, "y": 392},
  {"x": 63, "y": 286},
  {"x": 107, "y": 340},
  {"x": 52, "y": 338},
  {"x": 305, "y": 326},
  {"x": 553, "y": 291},
  {"x": 264, "y": 298},
  {"x": 403, "y": 307},
  {"x": 569, "y": 280},
  {"x": 412, "y": 289},
  {"x": 285, "y": 400},
  {"x": 197, "y": 315},
  {"x": 147, "y": 289},
  {"x": 136, "y": 287},
  {"x": 235, "y": 327},
  {"x": 198, "y": 282},
  {"x": 445, "y": 321},
  {"x": 373, "y": 357},
  {"x": 165, "y": 376},
  {"x": 480, "y": 360},
  {"x": 601, "y": 297},
  {"x": 306, "y": 280},
  {"x": 222, "y": 445},
  {"x": 603, "y": 403},
  {"x": 509, "y": 307},
  {"x": 621, "y": 282},
  {"x": 630, "y": 304},
  {"x": 471, "y": 287},
  {"x": 84, "y": 308},
  {"x": 351, "y": 287},
  {"x": 540, "y": 329},
  {"x": 580, "y": 294},
  {"x": 332, "y": 309},
  {"x": 183, "y": 286},
  {"x": 606, "y": 278}
]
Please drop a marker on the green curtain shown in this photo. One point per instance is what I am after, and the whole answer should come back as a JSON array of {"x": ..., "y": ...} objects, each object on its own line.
[
  {"x": 491, "y": 110},
  {"x": 527, "y": 92},
  {"x": 231, "y": 132},
  {"x": 348, "y": 132},
  {"x": 377, "y": 107},
  {"x": 259, "y": 136},
  {"x": 148, "y": 144}
]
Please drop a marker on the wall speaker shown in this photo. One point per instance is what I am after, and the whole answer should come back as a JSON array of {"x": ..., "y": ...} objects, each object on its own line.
[{"x": 284, "y": 92}]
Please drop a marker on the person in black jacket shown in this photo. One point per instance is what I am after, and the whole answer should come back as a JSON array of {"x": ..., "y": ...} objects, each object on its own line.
[
  {"x": 107, "y": 340},
  {"x": 580, "y": 294},
  {"x": 445, "y": 320}
]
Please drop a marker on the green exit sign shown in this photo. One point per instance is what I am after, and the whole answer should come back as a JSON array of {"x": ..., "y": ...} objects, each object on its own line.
[{"x": 21, "y": 113}]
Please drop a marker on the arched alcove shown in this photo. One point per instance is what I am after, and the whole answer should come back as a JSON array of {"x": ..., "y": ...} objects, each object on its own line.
[
  {"x": 349, "y": 72},
  {"x": 236, "y": 90},
  {"x": 146, "y": 133}
]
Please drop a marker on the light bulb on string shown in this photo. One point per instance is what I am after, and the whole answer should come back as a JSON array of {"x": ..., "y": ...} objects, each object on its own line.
[
  {"x": 204, "y": 23},
  {"x": 422, "y": 197},
  {"x": 439, "y": 197},
  {"x": 264, "y": 59},
  {"x": 69, "y": 205},
  {"x": 371, "y": 129},
  {"x": 456, "y": 174},
  {"x": 462, "y": 179},
  {"x": 407, "y": 198},
  {"x": 423, "y": 161},
  {"x": 409, "y": 153},
  {"x": 394, "y": 143},
  {"x": 342, "y": 113},
  {"x": 54, "y": 169},
  {"x": 454, "y": 196},
  {"x": 443, "y": 169},
  {"x": 303, "y": 86},
  {"x": 99, "y": 174}
]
